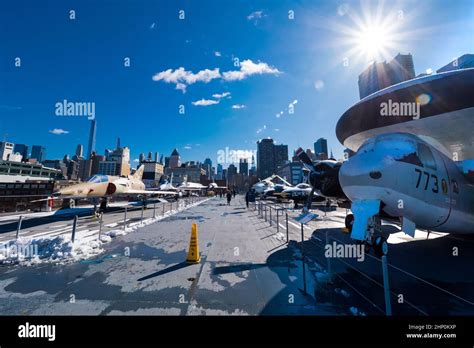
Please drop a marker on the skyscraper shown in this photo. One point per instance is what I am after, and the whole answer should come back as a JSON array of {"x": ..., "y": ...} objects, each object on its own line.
[
  {"x": 22, "y": 149},
  {"x": 321, "y": 146},
  {"x": 208, "y": 166},
  {"x": 39, "y": 153},
  {"x": 92, "y": 135},
  {"x": 281, "y": 155},
  {"x": 265, "y": 158},
  {"x": 79, "y": 151},
  {"x": 270, "y": 157},
  {"x": 231, "y": 172},
  {"x": 175, "y": 159},
  {"x": 244, "y": 167},
  {"x": 380, "y": 75},
  {"x": 219, "y": 171}
]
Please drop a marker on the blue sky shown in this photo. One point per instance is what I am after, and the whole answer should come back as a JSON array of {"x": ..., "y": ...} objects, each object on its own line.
[{"x": 82, "y": 60}]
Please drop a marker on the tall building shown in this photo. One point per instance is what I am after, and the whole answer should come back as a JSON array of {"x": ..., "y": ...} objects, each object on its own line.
[
  {"x": 281, "y": 155},
  {"x": 152, "y": 173},
  {"x": 381, "y": 75},
  {"x": 231, "y": 172},
  {"x": 265, "y": 158},
  {"x": 208, "y": 166},
  {"x": 22, "y": 149},
  {"x": 219, "y": 171},
  {"x": 79, "y": 151},
  {"x": 463, "y": 62},
  {"x": 141, "y": 158},
  {"x": 6, "y": 149},
  {"x": 117, "y": 162},
  {"x": 321, "y": 147},
  {"x": 270, "y": 157},
  {"x": 92, "y": 135},
  {"x": 244, "y": 167},
  {"x": 38, "y": 152},
  {"x": 175, "y": 159}
]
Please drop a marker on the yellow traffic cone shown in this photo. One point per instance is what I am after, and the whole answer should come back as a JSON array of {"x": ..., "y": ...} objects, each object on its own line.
[{"x": 193, "y": 253}]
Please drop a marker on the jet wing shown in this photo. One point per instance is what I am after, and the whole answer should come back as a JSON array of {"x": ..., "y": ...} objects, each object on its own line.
[{"x": 147, "y": 192}]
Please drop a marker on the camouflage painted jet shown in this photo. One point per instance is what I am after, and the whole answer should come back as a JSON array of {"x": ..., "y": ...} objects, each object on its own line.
[{"x": 103, "y": 187}]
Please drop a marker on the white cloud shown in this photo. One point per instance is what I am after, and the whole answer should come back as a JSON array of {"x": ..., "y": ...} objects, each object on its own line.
[
  {"x": 238, "y": 106},
  {"x": 276, "y": 129},
  {"x": 58, "y": 131},
  {"x": 205, "y": 102},
  {"x": 255, "y": 15},
  {"x": 187, "y": 147},
  {"x": 136, "y": 160},
  {"x": 223, "y": 95},
  {"x": 183, "y": 78},
  {"x": 279, "y": 114},
  {"x": 249, "y": 68},
  {"x": 217, "y": 54}
]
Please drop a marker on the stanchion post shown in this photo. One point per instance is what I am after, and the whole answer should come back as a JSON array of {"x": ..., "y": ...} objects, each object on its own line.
[
  {"x": 278, "y": 224},
  {"x": 386, "y": 286},
  {"x": 74, "y": 226},
  {"x": 302, "y": 258},
  {"x": 18, "y": 227},
  {"x": 100, "y": 224},
  {"x": 287, "y": 230},
  {"x": 125, "y": 219}
]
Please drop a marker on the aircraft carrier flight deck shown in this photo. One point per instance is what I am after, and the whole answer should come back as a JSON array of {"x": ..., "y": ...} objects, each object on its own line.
[{"x": 254, "y": 261}]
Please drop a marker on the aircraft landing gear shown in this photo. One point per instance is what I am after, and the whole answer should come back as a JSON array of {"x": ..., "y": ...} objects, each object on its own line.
[
  {"x": 103, "y": 205},
  {"x": 374, "y": 238},
  {"x": 380, "y": 246},
  {"x": 349, "y": 221}
]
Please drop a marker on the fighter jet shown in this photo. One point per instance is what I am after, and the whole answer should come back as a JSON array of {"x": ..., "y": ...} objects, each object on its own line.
[
  {"x": 267, "y": 183},
  {"x": 103, "y": 187},
  {"x": 300, "y": 194},
  {"x": 399, "y": 176}
]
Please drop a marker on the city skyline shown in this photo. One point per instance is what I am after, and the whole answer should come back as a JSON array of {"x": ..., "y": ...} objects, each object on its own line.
[{"x": 233, "y": 108}]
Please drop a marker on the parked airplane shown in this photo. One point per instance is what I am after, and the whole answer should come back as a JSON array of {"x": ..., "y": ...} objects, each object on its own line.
[
  {"x": 400, "y": 176},
  {"x": 103, "y": 187},
  {"x": 324, "y": 178},
  {"x": 300, "y": 194},
  {"x": 267, "y": 183}
]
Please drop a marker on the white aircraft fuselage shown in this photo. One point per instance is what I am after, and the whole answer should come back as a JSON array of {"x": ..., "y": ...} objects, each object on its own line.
[{"x": 411, "y": 180}]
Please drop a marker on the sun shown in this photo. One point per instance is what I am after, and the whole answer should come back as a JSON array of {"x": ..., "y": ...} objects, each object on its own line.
[
  {"x": 373, "y": 41},
  {"x": 374, "y": 32}
]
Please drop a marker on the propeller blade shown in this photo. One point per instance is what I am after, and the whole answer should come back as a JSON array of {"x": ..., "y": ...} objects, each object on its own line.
[
  {"x": 303, "y": 156},
  {"x": 309, "y": 200}
]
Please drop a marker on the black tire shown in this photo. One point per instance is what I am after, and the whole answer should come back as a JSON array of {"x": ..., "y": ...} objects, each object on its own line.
[
  {"x": 349, "y": 221},
  {"x": 380, "y": 246}
]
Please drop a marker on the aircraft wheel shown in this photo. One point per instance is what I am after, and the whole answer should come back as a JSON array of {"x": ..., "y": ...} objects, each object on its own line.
[
  {"x": 349, "y": 221},
  {"x": 380, "y": 246}
]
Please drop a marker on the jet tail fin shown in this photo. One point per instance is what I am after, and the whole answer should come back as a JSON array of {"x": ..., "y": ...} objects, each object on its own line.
[{"x": 139, "y": 172}]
